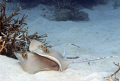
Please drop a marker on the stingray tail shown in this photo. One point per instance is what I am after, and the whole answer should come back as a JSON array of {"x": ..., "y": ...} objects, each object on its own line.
[
  {"x": 93, "y": 59},
  {"x": 64, "y": 54}
]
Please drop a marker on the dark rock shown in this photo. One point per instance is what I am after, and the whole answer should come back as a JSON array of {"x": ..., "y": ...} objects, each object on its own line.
[
  {"x": 83, "y": 16},
  {"x": 67, "y": 14}
]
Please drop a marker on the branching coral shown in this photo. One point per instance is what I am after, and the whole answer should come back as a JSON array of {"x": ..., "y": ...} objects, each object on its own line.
[
  {"x": 15, "y": 32},
  {"x": 1, "y": 45},
  {"x": 113, "y": 77}
]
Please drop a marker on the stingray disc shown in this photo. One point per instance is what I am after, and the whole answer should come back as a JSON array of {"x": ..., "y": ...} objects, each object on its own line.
[
  {"x": 53, "y": 54},
  {"x": 49, "y": 57},
  {"x": 35, "y": 63}
]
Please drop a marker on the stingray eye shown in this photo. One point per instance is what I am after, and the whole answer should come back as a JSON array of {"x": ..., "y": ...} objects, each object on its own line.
[
  {"x": 41, "y": 47},
  {"x": 46, "y": 50},
  {"x": 24, "y": 53},
  {"x": 21, "y": 51}
]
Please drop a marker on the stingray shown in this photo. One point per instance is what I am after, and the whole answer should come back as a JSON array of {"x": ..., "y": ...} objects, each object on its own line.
[{"x": 41, "y": 58}]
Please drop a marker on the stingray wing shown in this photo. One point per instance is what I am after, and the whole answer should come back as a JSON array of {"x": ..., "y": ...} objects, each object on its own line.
[
  {"x": 50, "y": 57},
  {"x": 34, "y": 45}
]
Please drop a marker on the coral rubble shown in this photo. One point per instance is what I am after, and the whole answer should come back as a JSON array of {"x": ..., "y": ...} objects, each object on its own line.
[{"x": 15, "y": 32}]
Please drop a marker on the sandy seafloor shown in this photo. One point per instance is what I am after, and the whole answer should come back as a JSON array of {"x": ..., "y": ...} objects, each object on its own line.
[{"x": 98, "y": 37}]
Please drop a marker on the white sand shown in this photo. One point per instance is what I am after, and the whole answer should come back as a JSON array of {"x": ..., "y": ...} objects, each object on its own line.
[{"x": 98, "y": 37}]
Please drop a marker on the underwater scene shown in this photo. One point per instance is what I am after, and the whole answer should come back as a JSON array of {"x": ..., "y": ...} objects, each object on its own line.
[{"x": 59, "y": 40}]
